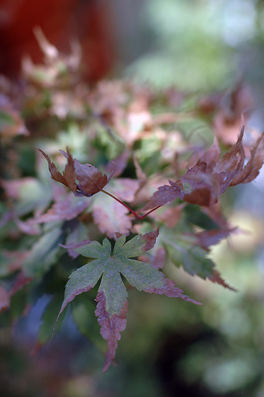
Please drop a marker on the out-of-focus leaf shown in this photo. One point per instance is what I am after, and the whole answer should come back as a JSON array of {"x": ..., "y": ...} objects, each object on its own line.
[
  {"x": 111, "y": 216},
  {"x": 232, "y": 112},
  {"x": 186, "y": 250},
  {"x": 29, "y": 194},
  {"x": 11, "y": 123},
  {"x": 4, "y": 299},
  {"x": 44, "y": 253},
  {"x": 11, "y": 261},
  {"x": 202, "y": 186},
  {"x": 67, "y": 208},
  {"x": 77, "y": 238}
]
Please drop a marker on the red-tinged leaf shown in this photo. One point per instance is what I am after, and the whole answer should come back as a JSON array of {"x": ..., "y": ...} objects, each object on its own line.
[
  {"x": 91, "y": 180},
  {"x": 140, "y": 173},
  {"x": 159, "y": 258},
  {"x": 233, "y": 160},
  {"x": 212, "y": 237},
  {"x": 214, "y": 212},
  {"x": 65, "y": 209},
  {"x": 164, "y": 194},
  {"x": 4, "y": 299},
  {"x": 55, "y": 174},
  {"x": 125, "y": 188},
  {"x": 111, "y": 216},
  {"x": 77, "y": 237},
  {"x": 216, "y": 278},
  {"x": 110, "y": 327},
  {"x": 13, "y": 187},
  {"x": 36, "y": 348},
  {"x": 11, "y": 261},
  {"x": 251, "y": 169},
  {"x": 69, "y": 172},
  {"x": 189, "y": 251},
  {"x": 109, "y": 264},
  {"x": 195, "y": 187},
  {"x": 156, "y": 260},
  {"x": 211, "y": 156},
  {"x": 233, "y": 111},
  {"x": 29, "y": 194},
  {"x": 150, "y": 239},
  {"x": 120, "y": 163},
  {"x": 71, "y": 247},
  {"x": 171, "y": 291},
  {"x": 202, "y": 186},
  {"x": 227, "y": 131},
  {"x": 10, "y": 120},
  {"x": 170, "y": 216},
  {"x": 19, "y": 283},
  {"x": 185, "y": 252},
  {"x": 27, "y": 227}
]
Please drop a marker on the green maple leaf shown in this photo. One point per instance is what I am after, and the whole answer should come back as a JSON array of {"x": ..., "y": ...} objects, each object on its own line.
[
  {"x": 112, "y": 295},
  {"x": 185, "y": 252}
]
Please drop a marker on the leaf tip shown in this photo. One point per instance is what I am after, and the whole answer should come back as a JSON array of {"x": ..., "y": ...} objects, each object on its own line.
[{"x": 150, "y": 239}]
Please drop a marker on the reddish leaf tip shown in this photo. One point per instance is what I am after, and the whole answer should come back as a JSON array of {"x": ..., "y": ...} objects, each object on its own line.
[
  {"x": 216, "y": 278},
  {"x": 150, "y": 239},
  {"x": 110, "y": 327}
]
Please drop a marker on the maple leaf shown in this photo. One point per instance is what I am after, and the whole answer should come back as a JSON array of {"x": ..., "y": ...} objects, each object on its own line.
[
  {"x": 185, "y": 252},
  {"x": 233, "y": 108},
  {"x": 188, "y": 250},
  {"x": 207, "y": 238},
  {"x": 67, "y": 208},
  {"x": 44, "y": 252},
  {"x": 112, "y": 295},
  {"x": 28, "y": 194},
  {"x": 202, "y": 186},
  {"x": 91, "y": 180},
  {"x": 120, "y": 163}
]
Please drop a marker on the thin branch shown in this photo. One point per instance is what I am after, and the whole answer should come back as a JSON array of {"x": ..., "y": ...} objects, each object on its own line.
[
  {"x": 130, "y": 209},
  {"x": 144, "y": 216},
  {"x": 121, "y": 202}
]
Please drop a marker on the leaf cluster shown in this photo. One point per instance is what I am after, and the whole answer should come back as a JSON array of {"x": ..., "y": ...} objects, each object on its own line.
[{"x": 52, "y": 217}]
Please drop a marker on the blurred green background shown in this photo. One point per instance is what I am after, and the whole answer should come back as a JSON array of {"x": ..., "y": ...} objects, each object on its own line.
[{"x": 172, "y": 348}]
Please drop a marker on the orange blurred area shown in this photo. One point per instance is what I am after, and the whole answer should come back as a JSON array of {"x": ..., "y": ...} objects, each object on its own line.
[{"x": 61, "y": 21}]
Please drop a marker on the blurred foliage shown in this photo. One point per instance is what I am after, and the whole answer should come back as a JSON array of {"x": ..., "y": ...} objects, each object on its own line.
[
  {"x": 200, "y": 45},
  {"x": 170, "y": 347}
]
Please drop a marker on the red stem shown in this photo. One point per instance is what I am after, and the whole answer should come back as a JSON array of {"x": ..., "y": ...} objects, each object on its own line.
[{"x": 133, "y": 212}]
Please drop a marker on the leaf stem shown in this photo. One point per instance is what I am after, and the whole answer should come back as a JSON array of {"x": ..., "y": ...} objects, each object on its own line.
[
  {"x": 130, "y": 209},
  {"x": 153, "y": 209}
]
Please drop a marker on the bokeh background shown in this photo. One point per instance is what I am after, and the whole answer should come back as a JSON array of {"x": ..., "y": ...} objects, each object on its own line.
[{"x": 169, "y": 348}]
